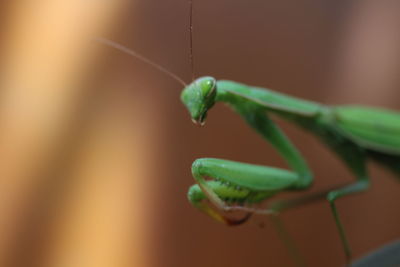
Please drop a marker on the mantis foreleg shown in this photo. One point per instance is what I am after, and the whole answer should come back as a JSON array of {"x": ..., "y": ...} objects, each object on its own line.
[{"x": 253, "y": 183}]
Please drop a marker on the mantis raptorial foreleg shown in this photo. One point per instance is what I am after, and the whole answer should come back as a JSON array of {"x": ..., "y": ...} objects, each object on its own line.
[
  {"x": 226, "y": 173},
  {"x": 268, "y": 180},
  {"x": 253, "y": 177}
]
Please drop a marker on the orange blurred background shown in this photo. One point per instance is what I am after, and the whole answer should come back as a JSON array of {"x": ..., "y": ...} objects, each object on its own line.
[{"x": 96, "y": 147}]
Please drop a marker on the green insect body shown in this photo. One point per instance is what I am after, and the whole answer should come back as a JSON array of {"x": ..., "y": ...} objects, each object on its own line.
[{"x": 354, "y": 133}]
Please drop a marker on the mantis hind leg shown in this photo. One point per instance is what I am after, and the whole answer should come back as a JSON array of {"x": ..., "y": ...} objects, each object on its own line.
[
  {"x": 332, "y": 196},
  {"x": 355, "y": 160}
]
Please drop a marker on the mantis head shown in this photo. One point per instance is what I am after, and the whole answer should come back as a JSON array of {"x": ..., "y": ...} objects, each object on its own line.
[{"x": 199, "y": 97}]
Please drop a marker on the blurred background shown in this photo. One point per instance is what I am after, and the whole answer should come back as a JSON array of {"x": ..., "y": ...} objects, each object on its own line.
[{"x": 96, "y": 147}]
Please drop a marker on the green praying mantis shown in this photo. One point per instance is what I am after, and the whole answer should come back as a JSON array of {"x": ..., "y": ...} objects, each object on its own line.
[{"x": 356, "y": 134}]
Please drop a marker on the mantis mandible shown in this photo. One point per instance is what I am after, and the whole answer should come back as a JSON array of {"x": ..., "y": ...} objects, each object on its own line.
[{"x": 356, "y": 134}]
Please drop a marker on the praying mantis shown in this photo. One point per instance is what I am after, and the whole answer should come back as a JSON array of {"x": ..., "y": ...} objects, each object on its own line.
[{"x": 355, "y": 134}]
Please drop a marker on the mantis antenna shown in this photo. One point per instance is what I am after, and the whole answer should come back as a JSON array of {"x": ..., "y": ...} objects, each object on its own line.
[
  {"x": 141, "y": 58},
  {"x": 191, "y": 37}
]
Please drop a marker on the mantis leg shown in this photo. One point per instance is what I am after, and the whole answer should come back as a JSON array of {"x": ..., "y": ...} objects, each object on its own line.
[
  {"x": 259, "y": 181},
  {"x": 260, "y": 121},
  {"x": 235, "y": 182},
  {"x": 287, "y": 240},
  {"x": 332, "y": 195},
  {"x": 355, "y": 160},
  {"x": 351, "y": 155},
  {"x": 359, "y": 186}
]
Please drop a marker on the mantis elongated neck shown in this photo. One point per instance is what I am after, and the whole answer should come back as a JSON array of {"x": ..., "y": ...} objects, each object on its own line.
[{"x": 236, "y": 94}]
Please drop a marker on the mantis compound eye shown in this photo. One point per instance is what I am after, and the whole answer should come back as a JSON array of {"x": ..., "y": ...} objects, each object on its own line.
[{"x": 207, "y": 85}]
